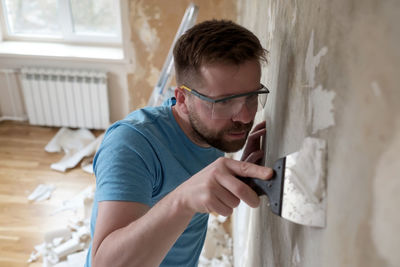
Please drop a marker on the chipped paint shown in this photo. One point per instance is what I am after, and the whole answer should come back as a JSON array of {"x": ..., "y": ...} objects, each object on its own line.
[
  {"x": 296, "y": 260},
  {"x": 147, "y": 34},
  {"x": 320, "y": 106},
  {"x": 294, "y": 14},
  {"x": 321, "y": 109},
  {"x": 376, "y": 89},
  {"x": 154, "y": 75},
  {"x": 312, "y": 62}
]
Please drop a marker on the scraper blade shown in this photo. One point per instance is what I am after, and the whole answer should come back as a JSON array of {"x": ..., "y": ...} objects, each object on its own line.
[{"x": 296, "y": 192}]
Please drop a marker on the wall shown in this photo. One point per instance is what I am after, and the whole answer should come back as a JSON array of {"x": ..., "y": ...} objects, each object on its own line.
[
  {"x": 153, "y": 27},
  {"x": 333, "y": 74}
]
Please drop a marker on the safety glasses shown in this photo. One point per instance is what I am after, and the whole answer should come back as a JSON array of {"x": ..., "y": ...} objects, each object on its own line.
[{"x": 228, "y": 107}]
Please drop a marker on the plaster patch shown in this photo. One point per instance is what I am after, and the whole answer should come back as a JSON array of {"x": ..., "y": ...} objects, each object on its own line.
[
  {"x": 271, "y": 22},
  {"x": 376, "y": 89},
  {"x": 321, "y": 109},
  {"x": 295, "y": 256},
  {"x": 312, "y": 62},
  {"x": 294, "y": 14},
  {"x": 385, "y": 211},
  {"x": 153, "y": 77},
  {"x": 147, "y": 35}
]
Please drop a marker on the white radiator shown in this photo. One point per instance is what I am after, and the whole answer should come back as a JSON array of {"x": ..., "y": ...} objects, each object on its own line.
[
  {"x": 11, "y": 103},
  {"x": 72, "y": 98}
]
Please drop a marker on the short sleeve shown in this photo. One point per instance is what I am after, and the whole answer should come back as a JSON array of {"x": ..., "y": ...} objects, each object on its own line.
[{"x": 125, "y": 167}]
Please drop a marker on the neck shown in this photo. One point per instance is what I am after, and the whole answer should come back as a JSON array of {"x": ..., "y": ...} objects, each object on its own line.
[{"x": 184, "y": 124}]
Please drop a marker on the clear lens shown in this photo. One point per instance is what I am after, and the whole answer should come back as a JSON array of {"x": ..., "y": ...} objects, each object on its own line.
[
  {"x": 228, "y": 109},
  {"x": 262, "y": 99}
]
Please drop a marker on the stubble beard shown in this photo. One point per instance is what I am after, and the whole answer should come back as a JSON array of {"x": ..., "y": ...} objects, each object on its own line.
[{"x": 216, "y": 139}]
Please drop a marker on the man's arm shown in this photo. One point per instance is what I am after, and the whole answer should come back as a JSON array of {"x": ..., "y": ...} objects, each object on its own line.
[{"x": 131, "y": 234}]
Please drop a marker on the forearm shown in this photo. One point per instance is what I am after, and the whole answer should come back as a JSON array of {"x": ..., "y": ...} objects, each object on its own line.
[{"x": 146, "y": 241}]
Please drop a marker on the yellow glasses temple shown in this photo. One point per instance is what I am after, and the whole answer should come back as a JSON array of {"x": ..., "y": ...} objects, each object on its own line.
[{"x": 186, "y": 88}]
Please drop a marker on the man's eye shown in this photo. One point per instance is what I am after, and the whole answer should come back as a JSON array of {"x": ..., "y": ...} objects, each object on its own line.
[
  {"x": 225, "y": 102},
  {"x": 252, "y": 97}
]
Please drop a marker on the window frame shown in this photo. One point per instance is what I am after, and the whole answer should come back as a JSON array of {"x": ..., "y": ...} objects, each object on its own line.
[{"x": 67, "y": 34}]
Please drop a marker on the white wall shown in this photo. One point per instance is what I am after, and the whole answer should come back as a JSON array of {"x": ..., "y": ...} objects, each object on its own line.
[{"x": 333, "y": 74}]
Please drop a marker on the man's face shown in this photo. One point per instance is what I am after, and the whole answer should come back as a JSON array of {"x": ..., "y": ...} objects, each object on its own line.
[{"x": 219, "y": 81}]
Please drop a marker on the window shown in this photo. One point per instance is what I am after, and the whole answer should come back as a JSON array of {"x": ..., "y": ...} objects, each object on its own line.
[{"x": 72, "y": 21}]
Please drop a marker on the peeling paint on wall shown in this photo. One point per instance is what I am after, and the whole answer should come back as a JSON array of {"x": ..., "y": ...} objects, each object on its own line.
[
  {"x": 321, "y": 109},
  {"x": 376, "y": 89},
  {"x": 154, "y": 75},
  {"x": 312, "y": 62},
  {"x": 147, "y": 34}
]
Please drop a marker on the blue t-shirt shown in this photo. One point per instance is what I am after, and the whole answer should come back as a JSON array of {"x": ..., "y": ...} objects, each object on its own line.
[{"x": 144, "y": 157}]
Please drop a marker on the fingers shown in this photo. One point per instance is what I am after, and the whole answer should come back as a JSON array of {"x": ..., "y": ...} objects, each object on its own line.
[
  {"x": 225, "y": 196},
  {"x": 247, "y": 169},
  {"x": 255, "y": 157},
  {"x": 217, "y": 188},
  {"x": 257, "y": 134},
  {"x": 218, "y": 206},
  {"x": 259, "y": 126},
  {"x": 254, "y": 140},
  {"x": 238, "y": 190},
  {"x": 227, "y": 202}
]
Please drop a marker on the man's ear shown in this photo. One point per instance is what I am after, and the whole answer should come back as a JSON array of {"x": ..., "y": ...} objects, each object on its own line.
[{"x": 181, "y": 100}]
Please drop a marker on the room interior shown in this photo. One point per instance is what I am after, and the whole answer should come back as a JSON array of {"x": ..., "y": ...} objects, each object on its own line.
[{"x": 333, "y": 75}]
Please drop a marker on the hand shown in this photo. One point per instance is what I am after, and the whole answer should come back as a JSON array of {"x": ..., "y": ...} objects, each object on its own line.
[
  {"x": 216, "y": 188},
  {"x": 252, "y": 151}
]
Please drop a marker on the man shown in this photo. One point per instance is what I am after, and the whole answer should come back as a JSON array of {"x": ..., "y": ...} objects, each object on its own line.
[{"x": 161, "y": 170}]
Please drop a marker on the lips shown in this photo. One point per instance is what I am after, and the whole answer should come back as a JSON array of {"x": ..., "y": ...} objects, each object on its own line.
[
  {"x": 238, "y": 135},
  {"x": 238, "y": 131}
]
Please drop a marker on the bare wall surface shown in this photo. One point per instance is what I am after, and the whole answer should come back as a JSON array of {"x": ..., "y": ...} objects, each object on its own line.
[
  {"x": 333, "y": 74},
  {"x": 153, "y": 28}
]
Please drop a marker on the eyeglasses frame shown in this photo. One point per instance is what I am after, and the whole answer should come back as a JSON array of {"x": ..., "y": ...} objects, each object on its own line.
[{"x": 262, "y": 90}]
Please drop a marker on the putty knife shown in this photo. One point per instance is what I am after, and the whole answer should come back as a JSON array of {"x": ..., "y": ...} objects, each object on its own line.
[{"x": 296, "y": 191}]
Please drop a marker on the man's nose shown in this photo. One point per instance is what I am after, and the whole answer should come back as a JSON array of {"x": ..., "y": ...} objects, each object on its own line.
[{"x": 245, "y": 114}]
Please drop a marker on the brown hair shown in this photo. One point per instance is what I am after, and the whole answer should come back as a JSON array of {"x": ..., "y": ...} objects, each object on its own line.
[{"x": 214, "y": 41}]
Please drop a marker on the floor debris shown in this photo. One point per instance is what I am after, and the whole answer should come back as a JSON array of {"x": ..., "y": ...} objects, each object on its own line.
[
  {"x": 42, "y": 192},
  {"x": 218, "y": 246},
  {"x": 76, "y": 144},
  {"x": 67, "y": 246}
]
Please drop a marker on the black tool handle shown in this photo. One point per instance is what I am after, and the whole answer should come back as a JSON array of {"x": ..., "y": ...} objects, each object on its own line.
[{"x": 273, "y": 187}]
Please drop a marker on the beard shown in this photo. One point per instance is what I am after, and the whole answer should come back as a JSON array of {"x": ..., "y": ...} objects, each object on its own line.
[{"x": 216, "y": 139}]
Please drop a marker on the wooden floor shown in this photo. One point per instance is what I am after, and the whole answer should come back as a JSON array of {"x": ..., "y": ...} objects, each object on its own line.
[{"x": 23, "y": 166}]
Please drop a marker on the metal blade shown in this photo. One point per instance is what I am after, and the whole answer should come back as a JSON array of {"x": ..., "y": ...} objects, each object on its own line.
[
  {"x": 303, "y": 199},
  {"x": 297, "y": 190}
]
